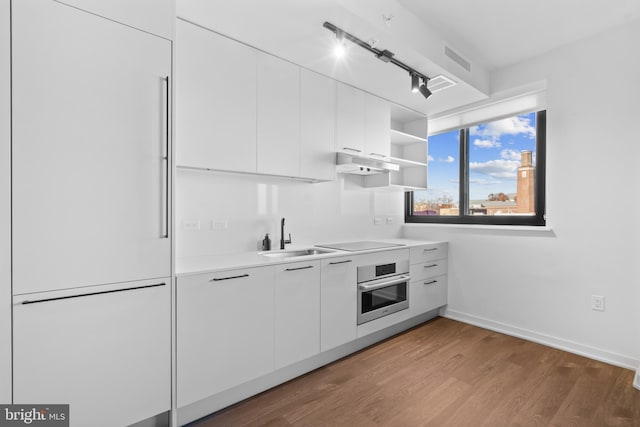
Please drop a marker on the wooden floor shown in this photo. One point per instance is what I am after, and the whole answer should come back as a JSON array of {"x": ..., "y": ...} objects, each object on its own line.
[{"x": 446, "y": 373}]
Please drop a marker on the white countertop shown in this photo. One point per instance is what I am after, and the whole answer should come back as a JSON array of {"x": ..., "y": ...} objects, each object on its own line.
[{"x": 211, "y": 263}]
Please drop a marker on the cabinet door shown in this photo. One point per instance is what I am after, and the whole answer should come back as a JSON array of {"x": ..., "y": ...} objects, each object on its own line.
[
  {"x": 224, "y": 331},
  {"x": 427, "y": 294},
  {"x": 215, "y": 101},
  {"x": 5, "y": 201},
  {"x": 339, "y": 302},
  {"x": 278, "y": 116},
  {"x": 107, "y": 355},
  {"x": 317, "y": 126},
  {"x": 377, "y": 127},
  {"x": 350, "y": 119},
  {"x": 154, "y": 16},
  {"x": 297, "y": 312},
  {"x": 90, "y": 140}
]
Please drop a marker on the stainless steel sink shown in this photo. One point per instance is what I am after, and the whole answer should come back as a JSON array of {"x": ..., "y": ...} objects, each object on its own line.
[{"x": 295, "y": 253}]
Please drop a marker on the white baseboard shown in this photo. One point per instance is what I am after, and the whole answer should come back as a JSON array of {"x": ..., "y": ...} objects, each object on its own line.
[
  {"x": 636, "y": 380},
  {"x": 548, "y": 340}
]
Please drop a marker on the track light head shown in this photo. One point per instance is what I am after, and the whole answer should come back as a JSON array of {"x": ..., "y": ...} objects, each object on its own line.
[
  {"x": 415, "y": 83},
  {"x": 424, "y": 90},
  {"x": 340, "y": 48}
]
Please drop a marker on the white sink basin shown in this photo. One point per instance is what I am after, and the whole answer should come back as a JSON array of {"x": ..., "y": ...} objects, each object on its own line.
[{"x": 295, "y": 253}]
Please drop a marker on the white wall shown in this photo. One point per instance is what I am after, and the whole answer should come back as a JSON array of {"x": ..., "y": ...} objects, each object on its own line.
[
  {"x": 539, "y": 284},
  {"x": 5, "y": 204},
  {"x": 253, "y": 205}
]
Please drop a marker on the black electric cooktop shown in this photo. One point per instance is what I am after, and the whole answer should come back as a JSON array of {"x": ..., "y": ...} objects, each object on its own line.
[{"x": 358, "y": 246}]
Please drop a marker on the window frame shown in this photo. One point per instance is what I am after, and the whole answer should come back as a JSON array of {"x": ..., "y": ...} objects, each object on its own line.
[{"x": 538, "y": 219}]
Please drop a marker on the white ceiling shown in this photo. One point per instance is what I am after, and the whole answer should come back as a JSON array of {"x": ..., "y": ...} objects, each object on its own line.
[
  {"x": 490, "y": 34},
  {"x": 503, "y": 32}
]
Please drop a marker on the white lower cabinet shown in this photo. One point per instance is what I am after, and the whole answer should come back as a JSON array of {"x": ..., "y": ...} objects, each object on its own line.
[
  {"x": 106, "y": 353},
  {"x": 339, "y": 302},
  {"x": 427, "y": 294},
  {"x": 297, "y": 312},
  {"x": 225, "y": 331},
  {"x": 428, "y": 288}
]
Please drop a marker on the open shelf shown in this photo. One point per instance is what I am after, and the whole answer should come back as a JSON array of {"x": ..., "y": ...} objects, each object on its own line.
[
  {"x": 406, "y": 163},
  {"x": 401, "y": 138}
]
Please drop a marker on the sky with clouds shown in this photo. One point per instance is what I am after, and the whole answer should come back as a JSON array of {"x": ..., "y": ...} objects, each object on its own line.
[{"x": 494, "y": 158}]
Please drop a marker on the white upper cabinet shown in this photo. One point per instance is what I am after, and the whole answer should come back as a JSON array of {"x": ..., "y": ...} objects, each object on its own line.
[
  {"x": 154, "y": 16},
  {"x": 215, "y": 101},
  {"x": 91, "y": 176},
  {"x": 377, "y": 127},
  {"x": 278, "y": 116},
  {"x": 362, "y": 123},
  {"x": 350, "y": 132},
  {"x": 317, "y": 126}
]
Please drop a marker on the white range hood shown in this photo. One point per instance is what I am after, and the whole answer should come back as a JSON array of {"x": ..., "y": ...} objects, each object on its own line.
[{"x": 357, "y": 164}]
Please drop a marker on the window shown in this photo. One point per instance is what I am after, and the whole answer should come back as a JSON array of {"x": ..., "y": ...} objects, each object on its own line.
[{"x": 490, "y": 173}]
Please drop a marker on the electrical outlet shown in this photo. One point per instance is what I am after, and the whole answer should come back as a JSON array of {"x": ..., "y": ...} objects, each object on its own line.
[
  {"x": 389, "y": 220},
  {"x": 219, "y": 224},
  {"x": 377, "y": 220},
  {"x": 597, "y": 302},
  {"x": 190, "y": 224}
]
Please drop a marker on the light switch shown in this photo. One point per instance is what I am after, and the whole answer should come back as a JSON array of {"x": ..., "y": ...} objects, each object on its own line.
[
  {"x": 190, "y": 224},
  {"x": 219, "y": 224}
]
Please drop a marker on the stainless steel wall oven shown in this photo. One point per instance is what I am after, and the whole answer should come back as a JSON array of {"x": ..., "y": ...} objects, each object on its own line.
[{"x": 382, "y": 289}]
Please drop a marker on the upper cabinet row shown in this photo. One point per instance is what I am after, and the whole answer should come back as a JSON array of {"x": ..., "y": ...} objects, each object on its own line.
[
  {"x": 250, "y": 112},
  {"x": 134, "y": 13},
  {"x": 239, "y": 109}
]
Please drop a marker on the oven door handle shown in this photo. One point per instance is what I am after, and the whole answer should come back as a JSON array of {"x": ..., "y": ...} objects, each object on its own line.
[{"x": 374, "y": 286}]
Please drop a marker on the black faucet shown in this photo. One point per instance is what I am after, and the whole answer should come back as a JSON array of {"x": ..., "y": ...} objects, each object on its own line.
[{"x": 282, "y": 241}]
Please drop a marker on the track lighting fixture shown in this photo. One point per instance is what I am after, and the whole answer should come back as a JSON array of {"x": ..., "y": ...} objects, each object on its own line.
[
  {"x": 415, "y": 83},
  {"x": 383, "y": 55},
  {"x": 424, "y": 90}
]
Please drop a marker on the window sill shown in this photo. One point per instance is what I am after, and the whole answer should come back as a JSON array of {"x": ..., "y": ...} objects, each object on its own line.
[{"x": 545, "y": 228}]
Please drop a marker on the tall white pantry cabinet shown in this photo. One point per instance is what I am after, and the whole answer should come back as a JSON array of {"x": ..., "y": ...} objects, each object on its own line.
[
  {"x": 5, "y": 201},
  {"x": 91, "y": 207}
]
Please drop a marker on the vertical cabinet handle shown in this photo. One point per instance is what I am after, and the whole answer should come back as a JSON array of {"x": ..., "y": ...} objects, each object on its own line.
[{"x": 167, "y": 135}]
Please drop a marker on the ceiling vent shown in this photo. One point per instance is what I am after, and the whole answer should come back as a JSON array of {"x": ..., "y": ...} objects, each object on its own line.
[
  {"x": 440, "y": 82},
  {"x": 451, "y": 54}
]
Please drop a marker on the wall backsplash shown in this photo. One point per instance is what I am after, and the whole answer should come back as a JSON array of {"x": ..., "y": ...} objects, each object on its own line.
[{"x": 250, "y": 206}]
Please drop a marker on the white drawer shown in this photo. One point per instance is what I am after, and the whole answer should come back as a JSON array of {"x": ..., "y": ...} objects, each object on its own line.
[
  {"x": 428, "y": 252},
  {"x": 426, "y": 295},
  {"x": 428, "y": 269}
]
